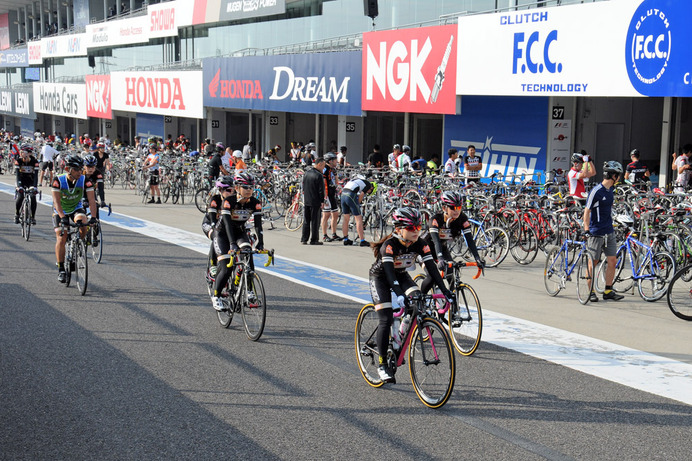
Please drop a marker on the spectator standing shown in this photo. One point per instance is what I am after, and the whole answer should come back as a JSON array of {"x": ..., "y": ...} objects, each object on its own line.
[
  {"x": 582, "y": 168},
  {"x": 636, "y": 172},
  {"x": 682, "y": 163},
  {"x": 472, "y": 165},
  {"x": 248, "y": 151},
  {"x": 432, "y": 164},
  {"x": 331, "y": 207},
  {"x": 376, "y": 158},
  {"x": 451, "y": 165},
  {"x": 313, "y": 198}
]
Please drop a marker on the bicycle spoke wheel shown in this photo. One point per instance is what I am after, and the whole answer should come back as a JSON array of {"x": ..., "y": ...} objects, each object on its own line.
[
  {"x": 494, "y": 246},
  {"x": 554, "y": 272},
  {"x": 81, "y": 266},
  {"x": 26, "y": 221},
  {"x": 293, "y": 219},
  {"x": 366, "y": 346},
  {"x": 96, "y": 242},
  {"x": 585, "y": 270},
  {"x": 623, "y": 280},
  {"x": 679, "y": 294},
  {"x": 431, "y": 363},
  {"x": 466, "y": 320},
  {"x": 254, "y": 308},
  {"x": 201, "y": 199},
  {"x": 657, "y": 273},
  {"x": 226, "y": 316}
]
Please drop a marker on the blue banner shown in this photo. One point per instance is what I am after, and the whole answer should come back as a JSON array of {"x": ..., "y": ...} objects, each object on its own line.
[
  {"x": 14, "y": 58},
  {"x": 149, "y": 125},
  {"x": 317, "y": 83},
  {"x": 509, "y": 133}
]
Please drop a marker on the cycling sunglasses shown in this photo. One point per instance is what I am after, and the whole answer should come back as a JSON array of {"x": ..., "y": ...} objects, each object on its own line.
[
  {"x": 247, "y": 187},
  {"x": 413, "y": 228},
  {"x": 455, "y": 208}
]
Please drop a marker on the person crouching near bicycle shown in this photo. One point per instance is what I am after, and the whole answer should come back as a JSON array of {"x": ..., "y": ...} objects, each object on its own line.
[
  {"x": 394, "y": 254},
  {"x": 69, "y": 190},
  {"x": 26, "y": 170},
  {"x": 448, "y": 225},
  {"x": 211, "y": 218},
  {"x": 230, "y": 234},
  {"x": 598, "y": 222}
]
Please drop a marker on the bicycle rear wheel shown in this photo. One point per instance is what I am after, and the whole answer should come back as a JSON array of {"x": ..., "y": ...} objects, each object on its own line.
[
  {"x": 254, "y": 307},
  {"x": 525, "y": 246},
  {"x": 585, "y": 269},
  {"x": 431, "y": 363},
  {"x": 493, "y": 246},
  {"x": 554, "y": 271},
  {"x": 96, "y": 242},
  {"x": 226, "y": 316},
  {"x": 466, "y": 320},
  {"x": 657, "y": 273},
  {"x": 201, "y": 199},
  {"x": 679, "y": 295},
  {"x": 81, "y": 266},
  {"x": 293, "y": 219},
  {"x": 366, "y": 346},
  {"x": 68, "y": 263}
]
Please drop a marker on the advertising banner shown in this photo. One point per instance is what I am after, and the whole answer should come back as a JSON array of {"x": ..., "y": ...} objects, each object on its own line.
[
  {"x": 319, "y": 83},
  {"x": 18, "y": 103},
  {"x": 636, "y": 48},
  {"x": 410, "y": 70},
  {"x": 4, "y": 31},
  {"x": 206, "y": 11},
  {"x": 122, "y": 32},
  {"x": 164, "y": 19},
  {"x": 509, "y": 133},
  {"x": 14, "y": 58},
  {"x": 67, "y": 99},
  {"x": 98, "y": 96},
  {"x": 34, "y": 51},
  {"x": 166, "y": 93},
  {"x": 64, "y": 46}
]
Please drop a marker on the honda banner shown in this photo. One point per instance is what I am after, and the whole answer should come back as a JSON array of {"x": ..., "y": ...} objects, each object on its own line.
[
  {"x": 410, "y": 70},
  {"x": 165, "y": 93},
  {"x": 98, "y": 95},
  {"x": 634, "y": 48},
  {"x": 319, "y": 83},
  {"x": 67, "y": 99}
]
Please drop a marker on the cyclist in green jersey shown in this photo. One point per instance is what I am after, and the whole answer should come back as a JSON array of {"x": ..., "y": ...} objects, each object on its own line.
[{"x": 69, "y": 190}]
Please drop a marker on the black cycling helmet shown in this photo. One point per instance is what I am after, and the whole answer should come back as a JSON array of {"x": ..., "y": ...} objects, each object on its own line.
[
  {"x": 405, "y": 148},
  {"x": 329, "y": 156},
  {"x": 612, "y": 167},
  {"x": 405, "y": 217},
  {"x": 577, "y": 157},
  {"x": 90, "y": 160},
  {"x": 27, "y": 148},
  {"x": 452, "y": 199},
  {"x": 396, "y": 147},
  {"x": 74, "y": 161},
  {"x": 224, "y": 182},
  {"x": 634, "y": 153},
  {"x": 243, "y": 178},
  {"x": 220, "y": 147}
]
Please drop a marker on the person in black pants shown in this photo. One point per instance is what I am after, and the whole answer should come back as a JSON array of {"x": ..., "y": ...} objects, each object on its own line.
[{"x": 313, "y": 198}]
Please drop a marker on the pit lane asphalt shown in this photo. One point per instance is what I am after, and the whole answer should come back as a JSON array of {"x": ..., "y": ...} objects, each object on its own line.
[{"x": 140, "y": 369}]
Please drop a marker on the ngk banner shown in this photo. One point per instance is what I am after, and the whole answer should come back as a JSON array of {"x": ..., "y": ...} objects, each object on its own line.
[
  {"x": 634, "y": 48},
  {"x": 98, "y": 95},
  {"x": 68, "y": 99},
  {"x": 410, "y": 70},
  {"x": 319, "y": 83},
  {"x": 165, "y": 93}
]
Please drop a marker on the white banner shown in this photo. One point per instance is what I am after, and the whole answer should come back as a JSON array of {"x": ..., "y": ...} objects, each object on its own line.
[
  {"x": 63, "y": 46},
  {"x": 165, "y": 18},
  {"x": 68, "y": 99},
  {"x": 165, "y": 93},
  {"x": 34, "y": 50},
  {"x": 114, "y": 33},
  {"x": 574, "y": 50}
]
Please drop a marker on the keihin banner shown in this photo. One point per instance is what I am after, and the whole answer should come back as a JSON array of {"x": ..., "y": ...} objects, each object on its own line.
[
  {"x": 319, "y": 83},
  {"x": 614, "y": 48}
]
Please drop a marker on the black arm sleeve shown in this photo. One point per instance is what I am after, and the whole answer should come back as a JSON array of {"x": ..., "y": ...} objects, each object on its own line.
[
  {"x": 102, "y": 192},
  {"x": 390, "y": 273},
  {"x": 435, "y": 274},
  {"x": 468, "y": 235},
  {"x": 258, "y": 229}
]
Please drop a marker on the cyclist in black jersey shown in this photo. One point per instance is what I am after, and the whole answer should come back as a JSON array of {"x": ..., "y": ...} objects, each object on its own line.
[
  {"x": 394, "y": 254},
  {"x": 26, "y": 169},
  {"x": 230, "y": 234},
  {"x": 448, "y": 225},
  {"x": 93, "y": 174},
  {"x": 211, "y": 218}
]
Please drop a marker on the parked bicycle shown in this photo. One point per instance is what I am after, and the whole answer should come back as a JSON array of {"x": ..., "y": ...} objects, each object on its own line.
[{"x": 560, "y": 266}]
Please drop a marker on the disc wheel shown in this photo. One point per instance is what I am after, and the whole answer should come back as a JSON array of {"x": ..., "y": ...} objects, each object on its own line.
[
  {"x": 431, "y": 363},
  {"x": 254, "y": 307},
  {"x": 366, "y": 345}
]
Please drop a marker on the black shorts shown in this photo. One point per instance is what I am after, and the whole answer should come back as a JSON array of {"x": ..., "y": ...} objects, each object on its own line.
[
  {"x": 382, "y": 293},
  {"x": 74, "y": 214},
  {"x": 154, "y": 178},
  {"x": 222, "y": 245},
  {"x": 47, "y": 166}
]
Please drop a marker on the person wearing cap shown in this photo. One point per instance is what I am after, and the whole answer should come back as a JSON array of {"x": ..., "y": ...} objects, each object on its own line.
[
  {"x": 238, "y": 162},
  {"x": 391, "y": 158},
  {"x": 636, "y": 172},
  {"x": 582, "y": 168}
]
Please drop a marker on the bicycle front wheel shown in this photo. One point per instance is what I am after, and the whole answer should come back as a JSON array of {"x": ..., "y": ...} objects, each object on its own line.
[
  {"x": 201, "y": 199},
  {"x": 81, "y": 266},
  {"x": 493, "y": 246},
  {"x": 254, "y": 309},
  {"x": 26, "y": 220},
  {"x": 96, "y": 242},
  {"x": 293, "y": 219},
  {"x": 680, "y": 294},
  {"x": 657, "y": 272},
  {"x": 585, "y": 270},
  {"x": 466, "y": 320},
  {"x": 554, "y": 271},
  {"x": 431, "y": 363},
  {"x": 366, "y": 345}
]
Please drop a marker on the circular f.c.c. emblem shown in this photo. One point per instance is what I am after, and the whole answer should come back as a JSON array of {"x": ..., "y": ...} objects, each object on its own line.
[{"x": 649, "y": 45}]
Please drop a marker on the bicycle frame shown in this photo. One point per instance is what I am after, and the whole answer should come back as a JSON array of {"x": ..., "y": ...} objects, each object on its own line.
[{"x": 648, "y": 258}]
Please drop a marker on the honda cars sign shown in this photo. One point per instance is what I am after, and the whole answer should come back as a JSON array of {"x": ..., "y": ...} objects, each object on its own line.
[
  {"x": 67, "y": 99},
  {"x": 165, "y": 93},
  {"x": 98, "y": 89},
  {"x": 410, "y": 70}
]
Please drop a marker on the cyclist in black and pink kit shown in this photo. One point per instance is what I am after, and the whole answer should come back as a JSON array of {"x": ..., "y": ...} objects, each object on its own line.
[
  {"x": 211, "y": 218},
  {"x": 444, "y": 227},
  {"x": 230, "y": 234},
  {"x": 394, "y": 254}
]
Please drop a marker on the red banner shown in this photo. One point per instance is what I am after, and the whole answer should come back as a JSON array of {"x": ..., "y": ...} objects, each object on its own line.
[
  {"x": 4, "y": 31},
  {"x": 410, "y": 70},
  {"x": 98, "y": 88}
]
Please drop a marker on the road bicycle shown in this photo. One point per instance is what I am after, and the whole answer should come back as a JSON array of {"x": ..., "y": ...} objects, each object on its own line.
[
  {"x": 679, "y": 294},
  {"x": 425, "y": 343},
  {"x": 243, "y": 293},
  {"x": 560, "y": 266},
  {"x": 76, "y": 259},
  {"x": 94, "y": 239},
  {"x": 25, "y": 210},
  {"x": 492, "y": 243}
]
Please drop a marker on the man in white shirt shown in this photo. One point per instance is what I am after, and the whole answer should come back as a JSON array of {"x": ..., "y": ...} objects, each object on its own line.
[
  {"x": 396, "y": 151},
  {"x": 403, "y": 161},
  {"x": 48, "y": 154},
  {"x": 450, "y": 168},
  {"x": 472, "y": 165}
]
